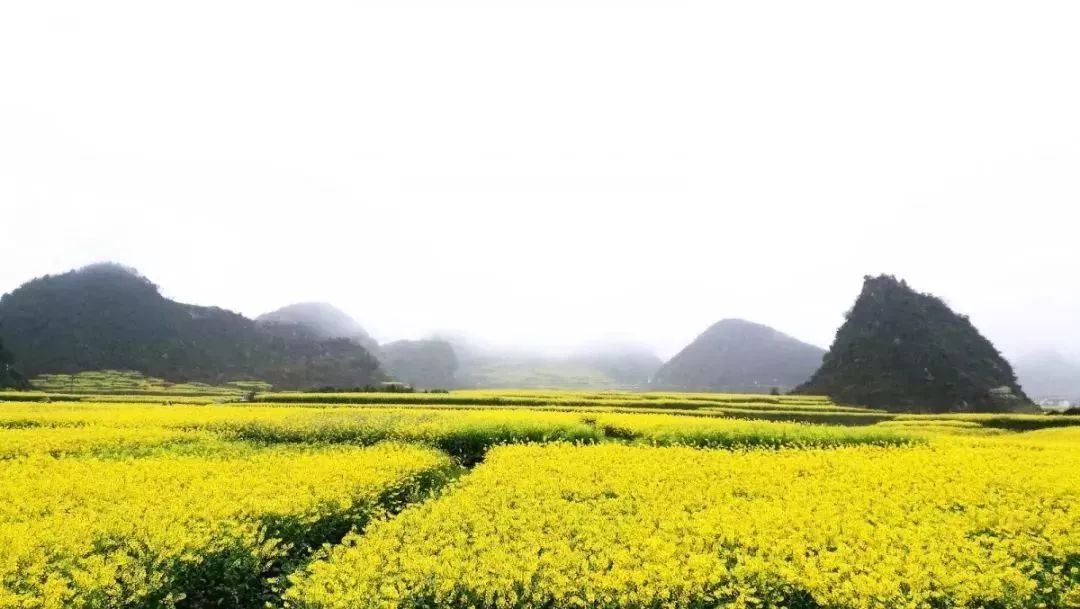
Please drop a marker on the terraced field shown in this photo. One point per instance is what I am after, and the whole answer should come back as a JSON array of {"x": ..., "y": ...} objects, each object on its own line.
[{"x": 532, "y": 499}]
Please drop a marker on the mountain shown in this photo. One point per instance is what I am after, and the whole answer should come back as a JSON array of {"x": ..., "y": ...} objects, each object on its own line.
[
  {"x": 317, "y": 319},
  {"x": 9, "y": 377},
  {"x": 628, "y": 365},
  {"x": 108, "y": 317},
  {"x": 427, "y": 364},
  {"x": 1049, "y": 375},
  {"x": 466, "y": 348},
  {"x": 903, "y": 350},
  {"x": 735, "y": 355}
]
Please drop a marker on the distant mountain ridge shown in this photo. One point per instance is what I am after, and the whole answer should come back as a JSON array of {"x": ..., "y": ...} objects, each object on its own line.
[
  {"x": 1049, "y": 375},
  {"x": 425, "y": 364},
  {"x": 106, "y": 316},
  {"x": 320, "y": 320},
  {"x": 904, "y": 350},
  {"x": 9, "y": 376},
  {"x": 735, "y": 355},
  {"x": 899, "y": 350}
]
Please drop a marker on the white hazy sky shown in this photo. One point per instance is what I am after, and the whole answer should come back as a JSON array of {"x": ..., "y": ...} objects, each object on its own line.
[{"x": 556, "y": 171}]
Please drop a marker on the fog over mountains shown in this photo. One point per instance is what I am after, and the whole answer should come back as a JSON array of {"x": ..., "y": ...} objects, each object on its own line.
[
  {"x": 322, "y": 320},
  {"x": 737, "y": 356},
  {"x": 108, "y": 316},
  {"x": 1049, "y": 375}
]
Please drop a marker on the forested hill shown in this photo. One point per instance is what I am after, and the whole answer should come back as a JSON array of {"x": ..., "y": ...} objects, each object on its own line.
[
  {"x": 735, "y": 355},
  {"x": 323, "y": 321},
  {"x": 106, "y": 316},
  {"x": 9, "y": 376},
  {"x": 903, "y": 350}
]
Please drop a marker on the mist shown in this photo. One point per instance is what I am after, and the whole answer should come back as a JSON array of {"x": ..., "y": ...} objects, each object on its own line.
[{"x": 593, "y": 173}]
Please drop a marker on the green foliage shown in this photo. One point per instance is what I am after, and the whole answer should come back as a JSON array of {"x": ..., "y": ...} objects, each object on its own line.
[
  {"x": 9, "y": 377},
  {"x": 128, "y": 382},
  {"x": 821, "y": 417},
  {"x": 107, "y": 317},
  {"x": 467, "y": 436},
  {"x": 1007, "y": 422},
  {"x": 673, "y": 430},
  {"x": 906, "y": 351},
  {"x": 318, "y": 320},
  {"x": 390, "y": 387},
  {"x": 559, "y": 398}
]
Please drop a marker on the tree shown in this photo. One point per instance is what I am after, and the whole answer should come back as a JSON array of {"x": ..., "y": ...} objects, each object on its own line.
[{"x": 8, "y": 376}]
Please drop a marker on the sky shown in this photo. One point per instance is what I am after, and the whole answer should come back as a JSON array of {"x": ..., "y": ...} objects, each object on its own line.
[{"x": 551, "y": 173}]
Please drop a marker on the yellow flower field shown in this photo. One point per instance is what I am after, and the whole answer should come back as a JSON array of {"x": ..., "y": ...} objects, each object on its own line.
[
  {"x": 709, "y": 432},
  {"x": 953, "y": 524},
  {"x": 242, "y": 506},
  {"x": 146, "y": 532}
]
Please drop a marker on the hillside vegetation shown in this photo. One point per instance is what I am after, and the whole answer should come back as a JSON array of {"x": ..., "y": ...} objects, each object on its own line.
[
  {"x": 127, "y": 382},
  {"x": 9, "y": 377},
  {"x": 318, "y": 320},
  {"x": 426, "y": 364},
  {"x": 903, "y": 350},
  {"x": 107, "y": 317}
]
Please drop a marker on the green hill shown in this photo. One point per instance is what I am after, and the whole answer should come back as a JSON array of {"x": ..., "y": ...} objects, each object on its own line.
[
  {"x": 318, "y": 320},
  {"x": 903, "y": 350},
  {"x": 108, "y": 317},
  {"x": 739, "y": 356},
  {"x": 425, "y": 364},
  {"x": 9, "y": 377}
]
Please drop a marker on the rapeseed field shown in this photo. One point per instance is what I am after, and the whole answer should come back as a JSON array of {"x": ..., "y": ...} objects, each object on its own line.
[
  {"x": 605, "y": 500},
  {"x": 951, "y": 524}
]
